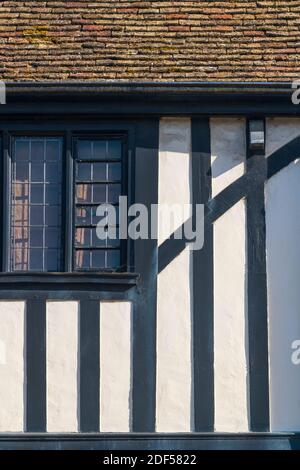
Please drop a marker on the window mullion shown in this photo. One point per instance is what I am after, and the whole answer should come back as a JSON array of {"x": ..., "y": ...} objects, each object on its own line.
[
  {"x": 69, "y": 206},
  {"x": 6, "y": 203}
]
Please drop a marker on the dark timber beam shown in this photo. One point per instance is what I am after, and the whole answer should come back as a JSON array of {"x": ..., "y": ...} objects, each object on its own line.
[
  {"x": 203, "y": 311},
  {"x": 121, "y": 98}
]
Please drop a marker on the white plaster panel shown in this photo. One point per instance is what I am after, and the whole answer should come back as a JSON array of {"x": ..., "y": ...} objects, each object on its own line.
[
  {"x": 173, "y": 394},
  {"x": 283, "y": 274},
  {"x": 115, "y": 366},
  {"x": 230, "y": 327},
  {"x": 62, "y": 366},
  {"x": 280, "y": 131},
  {"x": 228, "y": 150},
  {"x": 174, "y": 169},
  {"x": 11, "y": 366}
]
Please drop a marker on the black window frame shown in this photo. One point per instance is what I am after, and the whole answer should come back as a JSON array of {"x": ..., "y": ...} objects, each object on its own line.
[
  {"x": 69, "y": 134},
  {"x": 11, "y": 138},
  {"x": 124, "y": 191}
]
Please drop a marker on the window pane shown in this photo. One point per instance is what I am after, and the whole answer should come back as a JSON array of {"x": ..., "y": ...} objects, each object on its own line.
[
  {"x": 99, "y": 171},
  {"x": 21, "y": 237},
  {"x": 95, "y": 218},
  {"x": 52, "y": 194},
  {"x": 22, "y": 149},
  {"x": 84, "y": 193},
  {"x": 113, "y": 259},
  {"x": 84, "y": 150},
  {"x": 98, "y": 242},
  {"x": 83, "y": 237},
  {"x": 52, "y": 215},
  {"x": 20, "y": 193},
  {"x": 36, "y": 259},
  {"x": 20, "y": 214},
  {"x": 37, "y": 150},
  {"x": 20, "y": 259},
  {"x": 36, "y": 204},
  {"x": 84, "y": 171},
  {"x": 98, "y": 259},
  {"x": 22, "y": 172},
  {"x": 82, "y": 259},
  {"x": 53, "y": 150},
  {"x": 115, "y": 149},
  {"x": 99, "y": 192},
  {"x": 51, "y": 172},
  {"x": 83, "y": 215},
  {"x": 114, "y": 171},
  {"x": 37, "y": 172},
  {"x": 51, "y": 257},
  {"x": 37, "y": 193},
  {"x": 52, "y": 237},
  {"x": 36, "y": 237},
  {"x": 114, "y": 191},
  {"x": 100, "y": 150},
  {"x": 36, "y": 215},
  {"x": 97, "y": 181},
  {"x": 108, "y": 241}
]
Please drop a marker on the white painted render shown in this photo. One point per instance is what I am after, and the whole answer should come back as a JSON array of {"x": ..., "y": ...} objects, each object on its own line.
[
  {"x": 283, "y": 271},
  {"x": 115, "y": 366},
  {"x": 62, "y": 366},
  {"x": 280, "y": 131},
  {"x": 173, "y": 394},
  {"x": 228, "y": 150},
  {"x": 174, "y": 307},
  {"x": 230, "y": 322},
  {"x": 11, "y": 366},
  {"x": 230, "y": 315},
  {"x": 174, "y": 168},
  {"x": 282, "y": 245}
]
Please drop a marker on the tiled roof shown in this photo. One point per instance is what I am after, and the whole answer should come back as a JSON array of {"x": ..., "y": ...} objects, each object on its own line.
[{"x": 138, "y": 40}]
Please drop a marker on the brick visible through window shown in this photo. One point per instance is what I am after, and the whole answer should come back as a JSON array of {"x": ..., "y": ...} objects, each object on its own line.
[
  {"x": 36, "y": 199},
  {"x": 98, "y": 177}
]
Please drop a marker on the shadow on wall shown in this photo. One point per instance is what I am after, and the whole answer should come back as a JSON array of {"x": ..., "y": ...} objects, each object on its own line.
[{"x": 228, "y": 151}]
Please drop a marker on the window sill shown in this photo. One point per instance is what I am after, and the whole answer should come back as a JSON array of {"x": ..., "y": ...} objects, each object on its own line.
[{"x": 68, "y": 281}]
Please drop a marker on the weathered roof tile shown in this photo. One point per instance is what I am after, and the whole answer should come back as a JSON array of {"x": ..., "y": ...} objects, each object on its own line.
[{"x": 176, "y": 40}]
